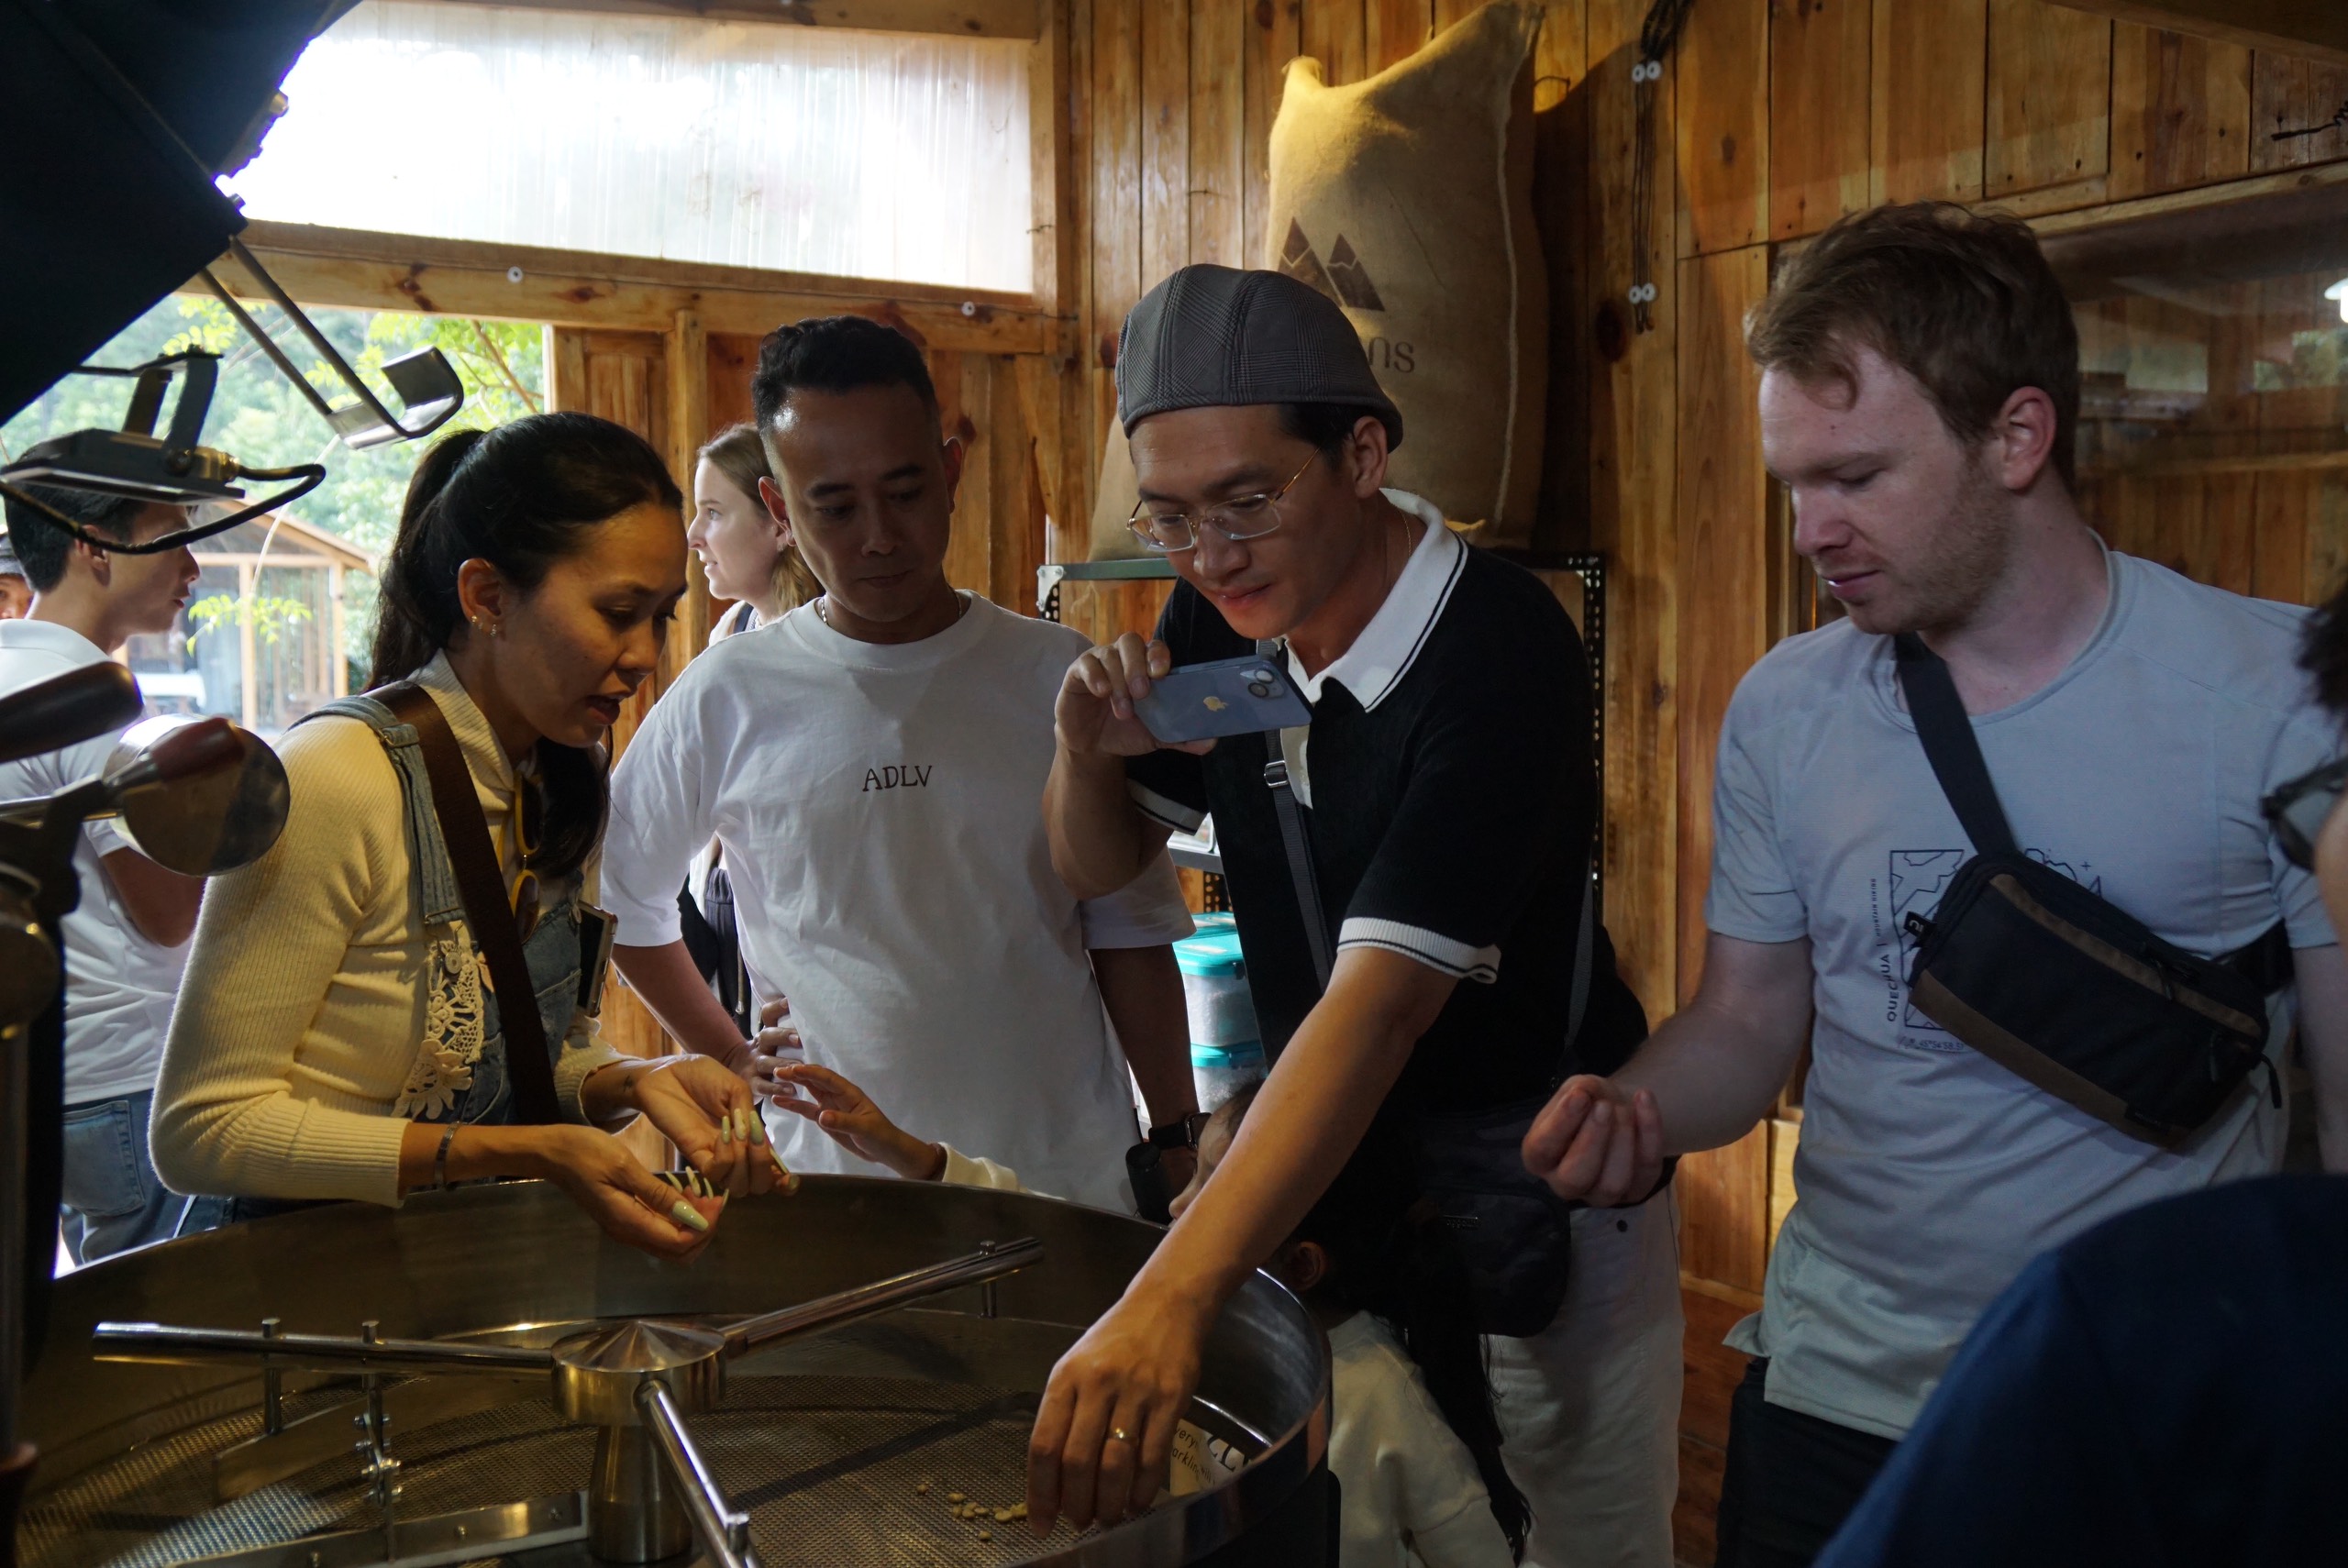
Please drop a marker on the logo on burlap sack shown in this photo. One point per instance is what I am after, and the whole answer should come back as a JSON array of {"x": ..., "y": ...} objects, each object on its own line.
[{"x": 1345, "y": 280}]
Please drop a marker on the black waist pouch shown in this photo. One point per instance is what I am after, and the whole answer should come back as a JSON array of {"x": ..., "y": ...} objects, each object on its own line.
[
  {"x": 1508, "y": 1227},
  {"x": 2062, "y": 988},
  {"x": 1509, "y": 1230}
]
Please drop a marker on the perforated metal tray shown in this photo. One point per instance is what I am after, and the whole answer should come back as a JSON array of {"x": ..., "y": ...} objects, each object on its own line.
[{"x": 828, "y": 1443}]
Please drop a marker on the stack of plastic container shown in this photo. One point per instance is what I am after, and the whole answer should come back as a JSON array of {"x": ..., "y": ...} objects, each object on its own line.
[{"x": 1226, "y": 1046}]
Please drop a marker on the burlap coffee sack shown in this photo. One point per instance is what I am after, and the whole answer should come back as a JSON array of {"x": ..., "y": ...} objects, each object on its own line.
[
  {"x": 1408, "y": 198},
  {"x": 1114, "y": 501}
]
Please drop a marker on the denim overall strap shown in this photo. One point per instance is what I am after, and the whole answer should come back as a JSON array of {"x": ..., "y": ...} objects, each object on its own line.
[
  {"x": 552, "y": 955},
  {"x": 439, "y": 902}
]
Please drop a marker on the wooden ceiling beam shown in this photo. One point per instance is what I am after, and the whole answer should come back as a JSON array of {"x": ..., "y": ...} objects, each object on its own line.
[
  {"x": 955, "y": 19},
  {"x": 2316, "y": 29},
  {"x": 352, "y": 270}
]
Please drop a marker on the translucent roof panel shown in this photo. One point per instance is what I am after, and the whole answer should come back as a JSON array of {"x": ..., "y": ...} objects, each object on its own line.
[{"x": 798, "y": 149}]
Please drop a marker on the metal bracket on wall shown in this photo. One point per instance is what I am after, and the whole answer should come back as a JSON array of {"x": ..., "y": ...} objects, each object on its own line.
[
  {"x": 429, "y": 392},
  {"x": 1050, "y": 577},
  {"x": 1590, "y": 568}
]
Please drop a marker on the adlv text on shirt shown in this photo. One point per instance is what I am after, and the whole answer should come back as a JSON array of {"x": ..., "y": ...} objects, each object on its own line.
[{"x": 896, "y": 776}]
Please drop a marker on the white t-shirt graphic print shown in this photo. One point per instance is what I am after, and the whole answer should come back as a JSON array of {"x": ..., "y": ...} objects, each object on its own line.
[
  {"x": 1927, "y": 1175},
  {"x": 880, "y": 808}
]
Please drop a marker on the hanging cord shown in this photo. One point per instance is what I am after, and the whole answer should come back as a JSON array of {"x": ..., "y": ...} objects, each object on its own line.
[{"x": 1661, "y": 31}]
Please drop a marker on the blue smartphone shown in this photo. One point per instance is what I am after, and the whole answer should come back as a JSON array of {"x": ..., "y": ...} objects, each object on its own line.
[{"x": 1228, "y": 697}]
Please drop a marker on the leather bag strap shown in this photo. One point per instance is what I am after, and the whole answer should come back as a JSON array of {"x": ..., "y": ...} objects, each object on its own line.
[
  {"x": 1294, "y": 840},
  {"x": 489, "y": 910},
  {"x": 1299, "y": 860},
  {"x": 1951, "y": 746}
]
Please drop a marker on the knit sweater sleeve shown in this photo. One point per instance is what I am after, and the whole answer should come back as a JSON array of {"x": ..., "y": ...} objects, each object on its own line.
[
  {"x": 961, "y": 1170},
  {"x": 269, "y": 945}
]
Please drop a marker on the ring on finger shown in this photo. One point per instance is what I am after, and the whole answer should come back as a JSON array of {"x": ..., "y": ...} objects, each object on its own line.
[{"x": 1119, "y": 1434}]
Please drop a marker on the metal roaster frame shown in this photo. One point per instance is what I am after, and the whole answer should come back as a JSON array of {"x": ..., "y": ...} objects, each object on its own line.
[{"x": 501, "y": 1271}]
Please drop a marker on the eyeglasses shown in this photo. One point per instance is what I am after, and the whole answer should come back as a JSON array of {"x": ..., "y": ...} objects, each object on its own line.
[
  {"x": 2297, "y": 810},
  {"x": 1239, "y": 519}
]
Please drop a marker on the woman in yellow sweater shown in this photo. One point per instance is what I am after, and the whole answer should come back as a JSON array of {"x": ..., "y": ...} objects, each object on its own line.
[{"x": 336, "y": 1036}]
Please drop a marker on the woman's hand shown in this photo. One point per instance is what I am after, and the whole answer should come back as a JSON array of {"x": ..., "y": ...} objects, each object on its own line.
[
  {"x": 775, "y": 1046},
  {"x": 1104, "y": 1433},
  {"x": 856, "y": 1125},
  {"x": 629, "y": 1202},
  {"x": 707, "y": 1111}
]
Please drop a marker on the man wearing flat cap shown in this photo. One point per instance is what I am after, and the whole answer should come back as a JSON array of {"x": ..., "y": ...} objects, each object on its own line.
[{"x": 1445, "y": 796}]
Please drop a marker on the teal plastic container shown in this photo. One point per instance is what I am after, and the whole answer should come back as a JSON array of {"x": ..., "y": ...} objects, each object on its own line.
[{"x": 1227, "y": 1045}]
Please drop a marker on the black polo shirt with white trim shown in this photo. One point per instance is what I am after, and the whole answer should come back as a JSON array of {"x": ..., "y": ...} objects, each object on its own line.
[{"x": 1450, "y": 795}]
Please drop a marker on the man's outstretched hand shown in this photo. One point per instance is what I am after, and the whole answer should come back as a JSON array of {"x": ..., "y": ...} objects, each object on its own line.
[{"x": 1597, "y": 1143}]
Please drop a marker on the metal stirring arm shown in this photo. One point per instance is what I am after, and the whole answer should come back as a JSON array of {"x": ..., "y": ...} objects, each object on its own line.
[
  {"x": 989, "y": 1263},
  {"x": 173, "y": 1344},
  {"x": 724, "y": 1530},
  {"x": 628, "y": 1378}
]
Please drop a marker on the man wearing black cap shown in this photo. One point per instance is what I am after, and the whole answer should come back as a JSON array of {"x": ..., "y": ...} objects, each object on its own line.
[{"x": 1448, "y": 796}]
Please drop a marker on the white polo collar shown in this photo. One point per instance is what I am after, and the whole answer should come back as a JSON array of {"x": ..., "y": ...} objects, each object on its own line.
[{"x": 1386, "y": 647}]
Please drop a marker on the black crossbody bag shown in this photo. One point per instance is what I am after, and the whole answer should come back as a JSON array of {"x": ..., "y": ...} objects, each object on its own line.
[
  {"x": 1511, "y": 1230},
  {"x": 2062, "y": 988}
]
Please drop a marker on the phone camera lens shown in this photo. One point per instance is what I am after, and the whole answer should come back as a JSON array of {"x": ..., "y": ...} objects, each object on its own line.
[
  {"x": 1258, "y": 675},
  {"x": 1259, "y": 689}
]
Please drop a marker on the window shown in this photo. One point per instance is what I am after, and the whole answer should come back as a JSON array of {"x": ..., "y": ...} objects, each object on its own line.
[
  {"x": 281, "y": 619},
  {"x": 808, "y": 150},
  {"x": 2213, "y": 428}
]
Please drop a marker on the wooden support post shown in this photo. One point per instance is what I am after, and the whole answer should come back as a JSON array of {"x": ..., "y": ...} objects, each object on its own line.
[
  {"x": 689, "y": 426},
  {"x": 1633, "y": 437}
]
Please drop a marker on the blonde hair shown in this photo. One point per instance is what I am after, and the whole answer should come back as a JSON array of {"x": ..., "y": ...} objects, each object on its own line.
[{"x": 739, "y": 454}]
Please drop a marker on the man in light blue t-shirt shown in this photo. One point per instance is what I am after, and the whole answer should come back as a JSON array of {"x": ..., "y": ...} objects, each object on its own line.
[{"x": 1919, "y": 398}]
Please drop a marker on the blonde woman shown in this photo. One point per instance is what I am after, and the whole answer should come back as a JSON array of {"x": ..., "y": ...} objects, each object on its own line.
[
  {"x": 742, "y": 554},
  {"x": 737, "y": 540}
]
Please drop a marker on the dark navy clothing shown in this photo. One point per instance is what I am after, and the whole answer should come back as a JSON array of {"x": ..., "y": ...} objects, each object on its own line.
[{"x": 2169, "y": 1388}]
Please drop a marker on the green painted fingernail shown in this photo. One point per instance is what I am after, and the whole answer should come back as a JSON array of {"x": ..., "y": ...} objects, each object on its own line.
[
  {"x": 726, "y": 1131},
  {"x": 685, "y": 1214}
]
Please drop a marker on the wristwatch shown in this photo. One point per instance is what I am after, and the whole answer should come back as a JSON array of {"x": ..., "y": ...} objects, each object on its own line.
[{"x": 1182, "y": 1134}]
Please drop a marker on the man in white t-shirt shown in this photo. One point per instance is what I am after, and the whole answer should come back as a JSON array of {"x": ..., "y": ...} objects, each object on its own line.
[
  {"x": 126, "y": 941},
  {"x": 872, "y": 762},
  {"x": 1919, "y": 396}
]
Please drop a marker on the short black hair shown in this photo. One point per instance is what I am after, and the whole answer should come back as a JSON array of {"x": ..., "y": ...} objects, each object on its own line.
[
  {"x": 835, "y": 354},
  {"x": 2323, "y": 653},
  {"x": 42, "y": 547},
  {"x": 1326, "y": 426}
]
